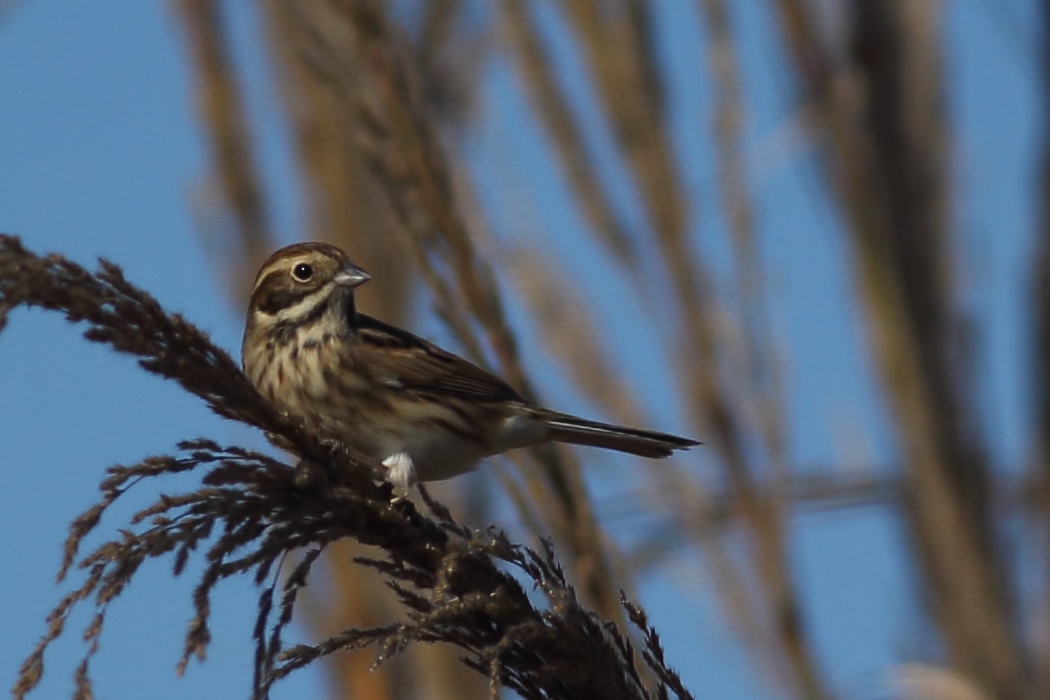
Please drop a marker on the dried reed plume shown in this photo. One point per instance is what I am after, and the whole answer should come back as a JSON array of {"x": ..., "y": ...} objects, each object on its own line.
[{"x": 251, "y": 511}]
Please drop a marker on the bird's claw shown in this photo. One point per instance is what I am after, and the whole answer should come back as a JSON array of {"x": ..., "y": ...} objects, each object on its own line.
[{"x": 401, "y": 472}]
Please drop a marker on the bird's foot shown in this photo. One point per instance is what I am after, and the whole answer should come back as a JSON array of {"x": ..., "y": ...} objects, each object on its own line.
[{"x": 401, "y": 472}]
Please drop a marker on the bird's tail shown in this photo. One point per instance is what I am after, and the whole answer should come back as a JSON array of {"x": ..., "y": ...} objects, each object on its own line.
[{"x": 644, "y": 443}]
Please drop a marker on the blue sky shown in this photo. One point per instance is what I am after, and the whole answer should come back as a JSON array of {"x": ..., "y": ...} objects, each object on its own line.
[{"x": 100, "y": 155}]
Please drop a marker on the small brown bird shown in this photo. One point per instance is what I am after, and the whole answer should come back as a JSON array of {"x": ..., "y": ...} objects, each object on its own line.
[{"x": 423, "y": 412}]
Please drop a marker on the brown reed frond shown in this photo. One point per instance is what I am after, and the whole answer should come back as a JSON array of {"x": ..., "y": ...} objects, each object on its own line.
[
  {"x": 615, "y": 37},
  {"x": 552, "y": 107},
  {"x": 882, "y": 113},
  {"x": 251, "y": 510},
  {"x": 222, "y": 111},
  {"x": 568, "y": 332},
  {"x": 130, "y": 321},
  {"x": 353, "y": 46}
]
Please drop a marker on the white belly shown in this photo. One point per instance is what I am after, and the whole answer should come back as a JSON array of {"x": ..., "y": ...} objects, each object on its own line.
[{"x": 439, "y": 454}]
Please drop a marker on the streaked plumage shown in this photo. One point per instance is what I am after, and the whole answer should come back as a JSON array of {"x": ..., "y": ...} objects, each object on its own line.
[{"x": 422, "y": 411}]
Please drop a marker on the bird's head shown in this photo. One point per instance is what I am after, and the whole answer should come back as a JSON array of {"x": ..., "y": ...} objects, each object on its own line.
[{"x": 299, "y": 280}]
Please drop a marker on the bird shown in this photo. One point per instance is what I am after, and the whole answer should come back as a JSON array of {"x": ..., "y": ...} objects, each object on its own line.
[{"x": 423, "y": 412}]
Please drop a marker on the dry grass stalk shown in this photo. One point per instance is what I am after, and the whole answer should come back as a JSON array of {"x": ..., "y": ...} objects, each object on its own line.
[
  {"x": 447, "y": 60},
  {"x": 323, "y": 35},
  {"x": 616, "y": 39},
  {"x": 567, "y": 337},
  {"x": 713, "y": 513},
  {"x": 875, "y": 98},
  {"x": 342, "y": 208},
  {"x": 226, "y": 124},
  {"x": 251, "y": 511},
  {"x": 886, "y": 142},
  {"x": 344, "y": 204},
  {"x": 568, "y": 333},
  {"x": 349, "y": 208},
  {"x": 553, "y": 109},
  {"x": 762, "y": 369},
  {"x": 352, "y": 46},
  {"x": 438, "y": 19}
]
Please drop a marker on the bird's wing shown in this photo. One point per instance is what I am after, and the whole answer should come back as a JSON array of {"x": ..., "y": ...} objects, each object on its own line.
[{"x": 418, "y": 365}]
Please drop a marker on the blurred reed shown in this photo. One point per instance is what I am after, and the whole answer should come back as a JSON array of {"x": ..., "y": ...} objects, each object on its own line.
[{"x": 382, "y": 98}]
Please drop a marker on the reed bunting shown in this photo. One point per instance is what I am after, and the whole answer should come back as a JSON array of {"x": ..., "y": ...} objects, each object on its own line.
[{"x": 423, "y": 412}]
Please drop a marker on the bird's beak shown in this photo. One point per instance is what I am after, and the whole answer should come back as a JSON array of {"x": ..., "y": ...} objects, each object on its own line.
[{"x": 351, "y": 276}]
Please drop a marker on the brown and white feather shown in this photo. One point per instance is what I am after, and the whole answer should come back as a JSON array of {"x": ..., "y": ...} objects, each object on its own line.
[{"x": 387, "y": 392}]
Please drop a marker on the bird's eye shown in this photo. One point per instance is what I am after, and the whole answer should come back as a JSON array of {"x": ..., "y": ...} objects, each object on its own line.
[{"x": 302, "y": 272}]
